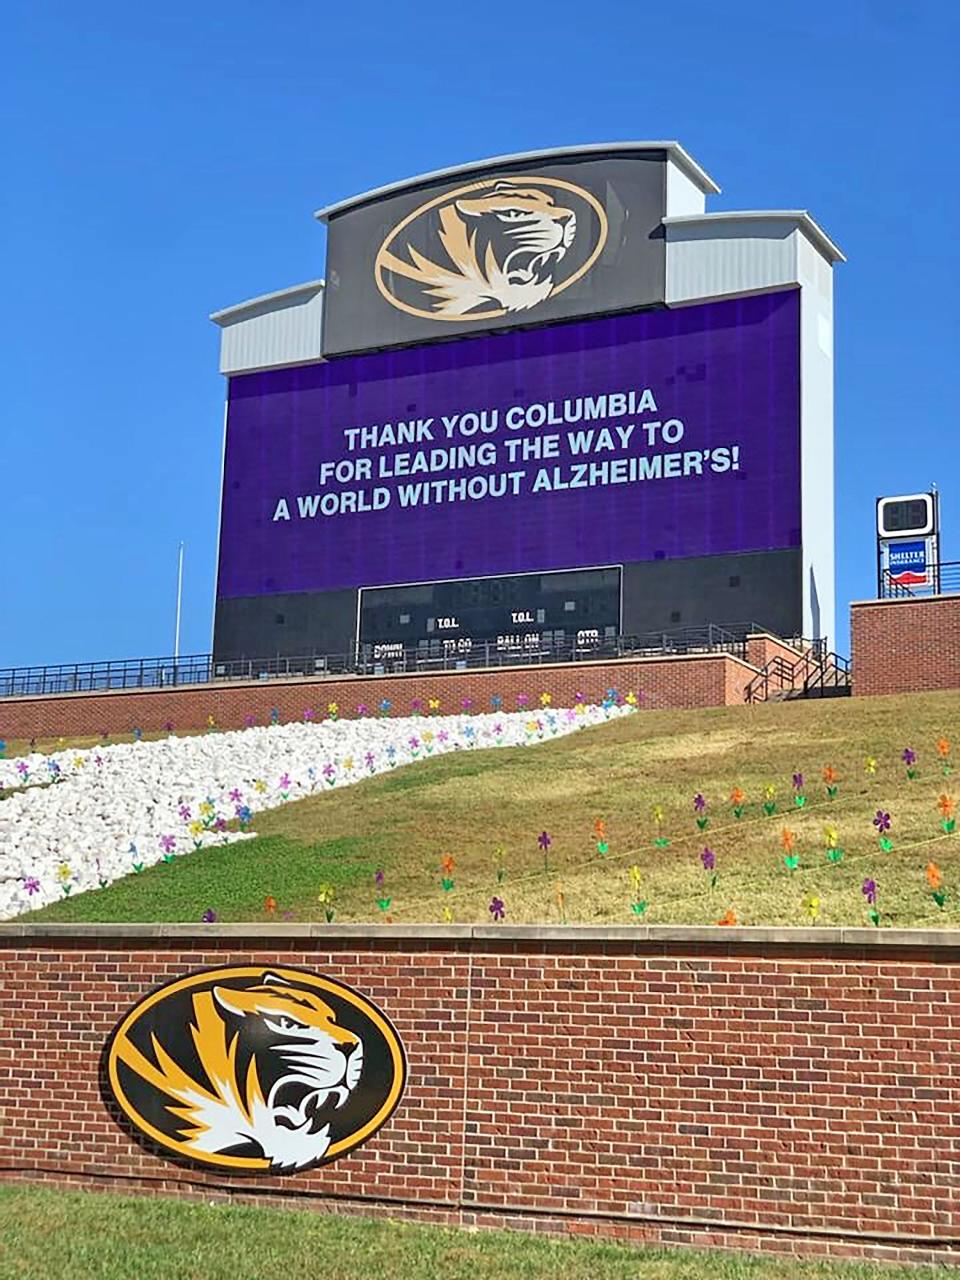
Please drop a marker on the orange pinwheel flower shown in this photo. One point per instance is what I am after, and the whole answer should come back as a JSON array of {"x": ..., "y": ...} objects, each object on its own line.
[
  {"x": 946, "y": 805},
  {"x": 829, "y": 775},
  {"x": 729, "y": 917},
  {"x": 934, "y": 877},
  {"x": 600, "y": 827},
  {"x": 943, "y": 748},
  {"x": 269, "y": 905},
  {"x": 446, "y": 864},
  {"x": 787, "y": 839},
  {"x": 737, "y": 797}
]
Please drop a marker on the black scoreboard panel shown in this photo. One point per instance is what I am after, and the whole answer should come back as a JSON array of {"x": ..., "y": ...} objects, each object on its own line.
[{"x": 512, "y": 613}]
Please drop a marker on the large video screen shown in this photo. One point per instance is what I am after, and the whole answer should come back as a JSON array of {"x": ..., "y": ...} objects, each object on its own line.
[{"x": 639, "y": 437}]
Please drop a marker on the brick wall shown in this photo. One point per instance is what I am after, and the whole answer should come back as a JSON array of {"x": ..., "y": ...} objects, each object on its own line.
[
  {"x": 711, "y": 680},
  {"x": 794, "y": 1091},
  {"x": 905, "y": 645}
]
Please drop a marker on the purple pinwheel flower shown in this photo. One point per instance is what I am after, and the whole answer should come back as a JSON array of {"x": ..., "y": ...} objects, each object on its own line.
[
  {"x": 699, "y": 803},
  {"x": 168, "y": 843},
  {"x": 798, "y": 782},
  {"x": 236, "y": 795},
  {"x": 882, "y": 821},
  {"x": 414, "y": 743},
  {"x": 168, "y": 726},
  {"x": 368, "y": 759},
  {"x": 328, "y": 770},
  {"x": 416, "y": 704},
  {"x": 466, "y": 703},
  {"x": 869, "y": 891},
  {"x": 184, "y": 812},
  {"x": 909, "y": 756},
  {"x": 308, "y": 713},
  {"x": 22, "y": 768},
  {"x": 498, "y": 729},
  {"x": 249, "y": 721},
  {"x": 544, "y": 841},
  {"x": 497, "y": 909},
  {"x": 443, "y": 736},
  {"x": 209, "y": 916},
  {"x": 522, "y": 699},
  {"x": 31, "y": 884},
  {"x": 220, "y": 824},
  {"x": 98, "y": 760},
  {"x": 379, "y": 879},
  {"x": 362, "y": 709},
  {"x": 709, "y": 859},
  {"x": 285, "y": 782}
]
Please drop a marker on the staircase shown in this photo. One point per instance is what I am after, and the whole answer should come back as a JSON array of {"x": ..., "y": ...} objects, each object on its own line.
[{"x": 813, "y": 675}]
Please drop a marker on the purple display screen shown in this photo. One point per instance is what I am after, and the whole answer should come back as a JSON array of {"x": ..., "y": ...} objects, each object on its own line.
[{"x": 646, "y": 436}]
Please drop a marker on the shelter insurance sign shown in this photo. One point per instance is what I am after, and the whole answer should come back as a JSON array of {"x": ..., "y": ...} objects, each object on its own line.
[
  {"x": 627, "y": 438},
  {"x": 509, "y": 245}
]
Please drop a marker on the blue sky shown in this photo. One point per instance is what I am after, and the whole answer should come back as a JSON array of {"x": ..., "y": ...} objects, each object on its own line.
[{"x": 163, "y": 161}]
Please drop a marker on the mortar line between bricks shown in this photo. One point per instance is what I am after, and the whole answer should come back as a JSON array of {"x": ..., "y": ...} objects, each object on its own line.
[{"x": 466, "y": 1079}]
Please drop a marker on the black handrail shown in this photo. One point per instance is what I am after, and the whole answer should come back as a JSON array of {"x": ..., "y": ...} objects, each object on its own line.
[{"x": 942, "y": 579}]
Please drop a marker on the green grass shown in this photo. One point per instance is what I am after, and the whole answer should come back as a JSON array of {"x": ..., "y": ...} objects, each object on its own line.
[
  {"x": 467, "y": 805},
  {"x": 86, "y": 1236}
]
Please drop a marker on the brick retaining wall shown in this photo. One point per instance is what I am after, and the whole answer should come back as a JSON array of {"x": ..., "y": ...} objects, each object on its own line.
[
  {"x": 794, "y": 1091},
  {"x": 706, "y": 680},
  {"x": 905, "y": 645}
]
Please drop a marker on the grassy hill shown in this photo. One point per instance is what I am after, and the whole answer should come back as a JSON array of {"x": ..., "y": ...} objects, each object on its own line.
[{"x": 487, "y": 811}]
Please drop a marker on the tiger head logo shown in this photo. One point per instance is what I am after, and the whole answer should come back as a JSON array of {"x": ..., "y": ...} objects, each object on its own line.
[
  {"x": 256, "y": 1070},
  {"x": 499, "y": 248}
]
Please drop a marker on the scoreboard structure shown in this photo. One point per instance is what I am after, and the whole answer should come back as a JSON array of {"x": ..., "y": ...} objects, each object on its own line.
[{"x": 538, "y": 403}]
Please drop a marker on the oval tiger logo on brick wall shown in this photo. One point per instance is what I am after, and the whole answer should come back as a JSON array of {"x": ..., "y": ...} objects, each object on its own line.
[{"x": 256, "y": 1070}]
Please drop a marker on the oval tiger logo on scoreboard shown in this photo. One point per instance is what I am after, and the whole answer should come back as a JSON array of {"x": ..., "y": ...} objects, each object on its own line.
[
  {"x": 256, "y": 1070},
  {"x": 491, "y": 248}
]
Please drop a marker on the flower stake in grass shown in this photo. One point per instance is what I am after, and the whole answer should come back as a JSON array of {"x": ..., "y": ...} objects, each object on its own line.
[
  {"x": 63, "y": 875},
  {"x": 544, "y": 841},
  {"x": 101, "y": 878},
  {"x": 168, "y": 844},
  {"x": 830, "y": 781},
  {"x": 285, "y": 784},
  {"x": 909, "y": 758},
  {"x": 728, "y": 918},
  {"x": 446, "y": 868},
  {"x": 660, "y": 840},
  {"x": 209, "y": 916},
  {"x": 700, "y": 809},
  {"x": 830, "y": 839},
  {"x": 709, "y": 860},
  {"x": 196, "y": 829},
  {"x": 869, "y": 891},
  {"x": 943, "y": 751},
  {"x": 135, "y": 858},
  {"x": 499, "y": 861},
  {"x": 947, "y": 809},
  {"x": 799, "y": 799},
  {"x": 811, "y": 907},
  {"x": 333, "y": 710},
  {"x": 769, "y": 799},
  {"x": 497, "y": 909},
  {"x": 561, "y": 902},
  {"x": 600, "y": 831},
  {"x": 270, "y": 906},
  {"x": 870, "y": 765},
  {"x": 325, "y": 898},
  {"x": 935, "y": 881},
  {"x": 638, "y": 904},
  {"x": 737, "y": 798},
  {"x": 447, "y": 915},
  {"x": 882, "y": 822},
  {"x": 791, "y": 860},
  {"x": 383, "y": 901},
  {"x": 244, "y": 816}
]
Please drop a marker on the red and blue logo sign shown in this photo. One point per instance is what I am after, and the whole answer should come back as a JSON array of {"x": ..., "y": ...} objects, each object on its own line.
[{"x": 907, "y": 563}]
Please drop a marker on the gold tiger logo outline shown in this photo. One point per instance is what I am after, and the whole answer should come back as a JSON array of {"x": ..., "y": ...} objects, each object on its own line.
[
  {"x": 503, "y": 240},
  {"x": 276, "y": 1065}
]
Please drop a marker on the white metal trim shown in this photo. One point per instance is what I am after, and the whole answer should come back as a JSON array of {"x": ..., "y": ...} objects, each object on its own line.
[
  {"x": 798, "y": 217},
  {"x": 229, "y": 315},
  {"x": 674, "y": 151}
]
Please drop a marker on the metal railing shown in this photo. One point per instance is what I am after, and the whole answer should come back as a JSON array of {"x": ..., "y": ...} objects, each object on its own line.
[
  {"x": 942, "y": 579},
  {"x": 815, "y": 673},
  {"x": 368, "y": 660}
]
